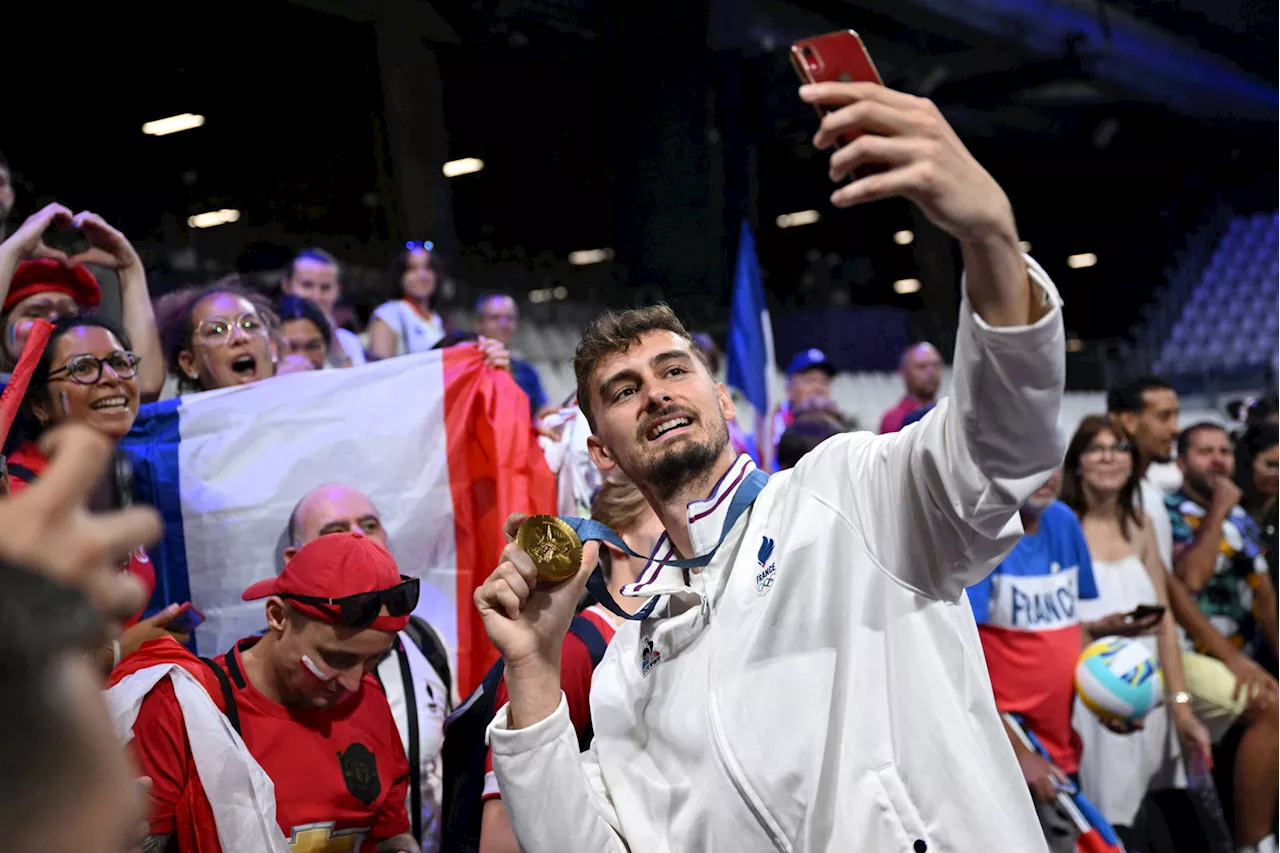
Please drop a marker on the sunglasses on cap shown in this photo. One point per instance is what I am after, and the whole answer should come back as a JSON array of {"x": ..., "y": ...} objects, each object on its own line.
[{"x": 362, "y": 609}]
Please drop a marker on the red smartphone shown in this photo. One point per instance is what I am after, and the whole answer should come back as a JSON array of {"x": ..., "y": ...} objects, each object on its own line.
[
  {"x": 186, "y": 620},
  {"x": 837, "y": 57}
]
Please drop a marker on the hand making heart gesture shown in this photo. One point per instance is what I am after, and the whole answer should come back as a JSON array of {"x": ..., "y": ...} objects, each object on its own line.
[{"x": 27, "y": 241}]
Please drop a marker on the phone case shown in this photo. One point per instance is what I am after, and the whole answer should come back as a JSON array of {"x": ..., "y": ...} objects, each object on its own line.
[{"x": 837, "y": 57}]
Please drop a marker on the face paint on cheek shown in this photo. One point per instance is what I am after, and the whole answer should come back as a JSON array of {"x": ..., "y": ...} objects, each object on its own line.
[
  {"x": 18, "y": 334},
  {"x": 314, "y": 671},
  {"x": 64, "y": 405}
]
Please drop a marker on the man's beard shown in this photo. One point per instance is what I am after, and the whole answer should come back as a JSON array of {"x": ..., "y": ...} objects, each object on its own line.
[
  {"x": 671, "y": 472},
  {"x": 1199, "y": 485}
]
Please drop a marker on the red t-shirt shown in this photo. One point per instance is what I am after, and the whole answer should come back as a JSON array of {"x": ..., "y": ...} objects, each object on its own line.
[
  {"x": 892, "y": 420},
  {"x": 575, "y": 680},
  {"x": 341, "y": 775},
  {"x": 28, "y": 456}
]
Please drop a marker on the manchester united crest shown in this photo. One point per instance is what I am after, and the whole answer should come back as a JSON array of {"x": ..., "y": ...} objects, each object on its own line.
[{"x": 360, "y": 772}]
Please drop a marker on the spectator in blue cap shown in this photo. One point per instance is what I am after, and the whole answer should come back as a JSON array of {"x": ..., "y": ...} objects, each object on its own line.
[{"x": 808, "y": 378}]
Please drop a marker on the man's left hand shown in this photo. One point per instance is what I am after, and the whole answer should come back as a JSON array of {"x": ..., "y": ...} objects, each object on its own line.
[{"x": 919, "y": 155}]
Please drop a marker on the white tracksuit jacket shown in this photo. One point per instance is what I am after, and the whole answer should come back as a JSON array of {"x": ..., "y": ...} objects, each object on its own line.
[{"x": 834, "y": 696}]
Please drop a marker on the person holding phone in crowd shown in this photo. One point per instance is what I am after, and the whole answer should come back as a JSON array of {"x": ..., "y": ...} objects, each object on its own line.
[
  {"x": 839, "y": 582},
  {"x": 1121, "y": 762}
]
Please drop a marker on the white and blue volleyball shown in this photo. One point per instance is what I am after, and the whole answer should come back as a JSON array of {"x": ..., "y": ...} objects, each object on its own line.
[{"x": 1119, "y": 679}]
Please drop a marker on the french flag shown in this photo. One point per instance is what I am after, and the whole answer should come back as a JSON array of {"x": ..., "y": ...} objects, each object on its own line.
[
  {"x": 750, "y": 346},
  {"x": 440, "y": 443}
]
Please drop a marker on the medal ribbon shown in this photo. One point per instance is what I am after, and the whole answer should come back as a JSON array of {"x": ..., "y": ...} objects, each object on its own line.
[{"x": 588, "y": 529}]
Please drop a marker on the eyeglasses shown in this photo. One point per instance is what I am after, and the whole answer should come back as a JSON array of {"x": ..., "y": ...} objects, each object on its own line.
[
  {"x": 360, "y": 610},
  {"x": 1120, "y": 448},
  {"x": 86, "y": 369},
  {"x": 217, "y": 331},
  {"x": 425, "y": 246}
]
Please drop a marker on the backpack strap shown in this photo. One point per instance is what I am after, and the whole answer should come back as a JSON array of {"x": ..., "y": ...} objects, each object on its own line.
[
  {"x": 586, "y": 631},
  {"x": 228, "y": 694},
  {"x": 433, "y": 649},
  {"x": 20, "y": 472},
  {"x": 415, "y": 764}
]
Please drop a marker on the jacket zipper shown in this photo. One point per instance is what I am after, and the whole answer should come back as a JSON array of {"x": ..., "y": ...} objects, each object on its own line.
[{"x": 734, "y": 772}]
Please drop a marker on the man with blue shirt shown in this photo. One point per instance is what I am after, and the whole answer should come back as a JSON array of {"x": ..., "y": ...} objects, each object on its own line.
[
  {"x": 1032, "y": 635},
  {"x": 497, "y": 317}
]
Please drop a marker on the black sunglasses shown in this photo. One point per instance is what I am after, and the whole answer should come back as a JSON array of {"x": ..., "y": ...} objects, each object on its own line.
[{"x": 360, "y": 610}]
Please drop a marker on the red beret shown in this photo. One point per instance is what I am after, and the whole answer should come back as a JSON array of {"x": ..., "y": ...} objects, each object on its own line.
[{"x": 45, "y": 275}]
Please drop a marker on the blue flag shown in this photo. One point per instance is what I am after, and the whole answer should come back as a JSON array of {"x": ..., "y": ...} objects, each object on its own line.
[{"x": 750, "y": 349}]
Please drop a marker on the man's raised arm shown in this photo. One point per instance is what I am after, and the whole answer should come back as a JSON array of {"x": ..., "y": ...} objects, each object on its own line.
[{"x": 938, "y": 502}]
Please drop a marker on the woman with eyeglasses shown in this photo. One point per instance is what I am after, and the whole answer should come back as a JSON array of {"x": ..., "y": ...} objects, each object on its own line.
[
  {"x": 37, "y": 282},
  {"x": 409, "y": 323},
  {"x": 221, "y": 339},
  {"x": 1121, "y": 763},
  {"x": 1258, "y": 476},
  {"x": 87, "y": 374}
]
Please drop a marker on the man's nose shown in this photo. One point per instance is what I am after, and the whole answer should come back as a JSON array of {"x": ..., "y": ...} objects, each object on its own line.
[{"x": 350, "y": 680}]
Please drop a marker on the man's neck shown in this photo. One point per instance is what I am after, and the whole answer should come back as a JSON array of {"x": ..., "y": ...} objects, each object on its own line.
[
  {"x": 257, "y": 669},
  {"x": 673, "y": 512},
  {"x": 625, "y": 570}
]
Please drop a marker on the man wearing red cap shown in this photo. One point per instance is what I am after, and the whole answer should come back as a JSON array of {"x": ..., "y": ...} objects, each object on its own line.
[{"x": 299, "y": 711}]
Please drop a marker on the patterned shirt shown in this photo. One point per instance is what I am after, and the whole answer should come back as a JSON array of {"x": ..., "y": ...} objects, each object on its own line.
[{"x": 1227, "y": 598}]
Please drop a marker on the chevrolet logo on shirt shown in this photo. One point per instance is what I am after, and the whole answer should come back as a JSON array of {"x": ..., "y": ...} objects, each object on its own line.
[{"x": 320, "y": 838}]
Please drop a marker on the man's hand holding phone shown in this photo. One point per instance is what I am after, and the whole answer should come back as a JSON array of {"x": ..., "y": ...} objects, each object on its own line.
[{"x": 919, "y": 155}]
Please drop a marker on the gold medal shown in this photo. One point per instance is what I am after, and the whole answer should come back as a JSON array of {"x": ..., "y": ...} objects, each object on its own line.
[{"x": 553, "y": 546}]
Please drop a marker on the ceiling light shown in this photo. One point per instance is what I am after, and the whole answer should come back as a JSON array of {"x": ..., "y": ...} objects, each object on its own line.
[
  {"x": 172, "y": 124},
  {"x": 212, "y": 218},
  {"x": 1024, "y": 246},
  {"x": 560, "y": 293},
  {"x": 1086, "y": 259},
  {"x": 801, "y": 217},
  {"x": 906, "y": 285},
  {"x": 590, "y": 256},
  {"x": 465, "y": 166},
  {"x": 903, "y": 238}
]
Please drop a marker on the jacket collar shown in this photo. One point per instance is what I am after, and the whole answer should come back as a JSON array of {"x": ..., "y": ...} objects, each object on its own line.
[{"x": 706, "y": 523}]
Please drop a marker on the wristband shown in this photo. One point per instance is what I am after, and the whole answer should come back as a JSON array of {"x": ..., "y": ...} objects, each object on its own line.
[{"x": 1182, "y": 697}]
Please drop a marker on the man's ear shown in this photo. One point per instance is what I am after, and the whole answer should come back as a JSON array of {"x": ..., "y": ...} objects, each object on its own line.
[
  {"x": 727, "y": 406},
  {"x": 289, "y": 552},
  {"x": 277, "y": 615},
  {"x": 600, "y": 454}
]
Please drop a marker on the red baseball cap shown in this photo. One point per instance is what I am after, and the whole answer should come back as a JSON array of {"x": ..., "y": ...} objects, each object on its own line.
[
  {"x": 46, "y": 274},
  {"x": 336, "y": 565}
]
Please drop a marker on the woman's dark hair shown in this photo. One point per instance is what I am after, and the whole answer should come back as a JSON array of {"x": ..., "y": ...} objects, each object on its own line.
[
  {"x": 400, "y": 263},
  {"x": 1256, "y": 440},
  {"x": 1073, "y": 494},
  {"x": 178, "y": 327},
  {"x": 26, "y": 426},
  {"x": 297, "y": 308}
]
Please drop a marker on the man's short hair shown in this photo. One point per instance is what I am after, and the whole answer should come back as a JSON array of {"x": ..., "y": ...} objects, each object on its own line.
[
  {"x": 617, "y": 331},
  {"x": 1184, "y": 437},
  {"x": 42, "y": 624},
  {"x": 489, "y": 296},
  {"x": 1131, "y": 398},
  {"x": 320, "y": 256}
]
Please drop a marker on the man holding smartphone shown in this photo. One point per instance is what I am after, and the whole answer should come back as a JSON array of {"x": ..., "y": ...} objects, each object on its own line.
[{"x": 809, "y": 676}]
